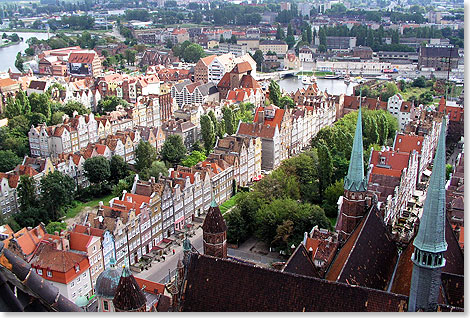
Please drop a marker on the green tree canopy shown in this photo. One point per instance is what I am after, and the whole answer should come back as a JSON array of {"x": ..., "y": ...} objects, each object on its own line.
[
  {"x": 207, "y": 132},
  {"x": 57, "y": 191},
  {"x": 119, "y": 169},
  {"x": 173, "y": 150},
  {"x": 193, "y": 53},
  {"x": 145, "y": 154},
  {"x": 8, "y": 160},
  {"x": 274, "y": 93},
  {"x": 53, "y": 227},
  {"x": 97, "y": 169},
  {"x": 193, "y": 159}
]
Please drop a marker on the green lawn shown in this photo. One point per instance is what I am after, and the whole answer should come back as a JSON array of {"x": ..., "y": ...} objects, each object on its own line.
[
  {"x": 410, "y": 91},
  {"x": 72, "y": 212},
  {"x": 323, "y": 73},
  {"x": 228, "y": 204},
  {"x": 308, "y": 73}
]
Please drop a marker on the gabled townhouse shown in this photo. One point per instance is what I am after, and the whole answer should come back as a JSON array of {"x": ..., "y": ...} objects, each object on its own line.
[
  {"x": 90, "y": 246},
  {"x": 274, "y": 116},
  {"x": 393, "y": 177},
  {"x": 8, "y": 194},
  {"x": 247, "y": 150},
  {"x": 72, "y": 165},
  {"x": 270, "y": 142},
  {"x": 186, "y": 185},
  {"x": 186, "y": 129},
  {"x": 39, "y": 141},
  {"x": 424, "y": 145},
  {"x": 188, "y": 93},
  {"x": 106, "y": 238},
  {"x": 66, "y": 270},
  {"x": 221, "y": 174},
  {"x": 404, "y": 111},
  {"x": 113, "y": 220}
]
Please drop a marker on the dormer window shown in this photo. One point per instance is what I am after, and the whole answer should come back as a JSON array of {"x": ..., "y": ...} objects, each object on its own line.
[
  {"x": 382, "y": 160},
  {"x": 49, "y": 274},
  {"x": 39, "y": 271},
  {"x": 77, "y": 268}
]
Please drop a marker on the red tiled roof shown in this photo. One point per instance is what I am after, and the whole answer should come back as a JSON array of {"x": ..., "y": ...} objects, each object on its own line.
[
  {"x": 79, "y": 241},
  {"x": 208, "y": 59},
  {"x": 408, "y": 143},
  {"x": 275, "y": 121},
  {"x": 81, "y": 57},
  {"x": 242, "y": 67},
  {"x": 149, "y": 286}
]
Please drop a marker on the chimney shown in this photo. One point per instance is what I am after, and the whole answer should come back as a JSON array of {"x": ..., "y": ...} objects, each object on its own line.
[{"x": 261, "y": 117}]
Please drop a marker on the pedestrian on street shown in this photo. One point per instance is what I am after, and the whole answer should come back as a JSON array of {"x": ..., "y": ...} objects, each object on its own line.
[{"x": 173, "y": 251}]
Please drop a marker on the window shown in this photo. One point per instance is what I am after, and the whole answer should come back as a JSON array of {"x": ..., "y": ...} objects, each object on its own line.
[
  {"x": 72, "y": 284},
  {"x": 77, "y": 268},
  {"x": 74, "y": 295},
  {"x": 49, "y": 274},
  {"x": 39, "y": 271},
  {"x": 105, "y": 305},
  {"x": 78, "y": 279}
]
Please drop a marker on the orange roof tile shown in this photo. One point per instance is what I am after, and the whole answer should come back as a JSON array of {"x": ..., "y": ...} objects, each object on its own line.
[
  {"x": 408, "y": 143},
  {"x": 79, "y": 241}
]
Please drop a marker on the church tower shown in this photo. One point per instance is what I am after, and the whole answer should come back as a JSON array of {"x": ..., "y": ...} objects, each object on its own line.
[
  {"x": 430, "y": 243},
  {"x": 214, "y": 232},
  {"x": 353, "y": 206}
]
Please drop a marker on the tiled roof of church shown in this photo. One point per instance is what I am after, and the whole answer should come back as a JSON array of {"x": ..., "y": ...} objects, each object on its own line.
[
  {"x": 368, "y": 258},
  {"x": 300, "y": 263},
  {"x": 235, "y": 286}
]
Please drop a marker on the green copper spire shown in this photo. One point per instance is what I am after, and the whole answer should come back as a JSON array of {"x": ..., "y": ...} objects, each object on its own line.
[
  {"x": 355, "y": 180},
  {"x": 431, "y": 233}
]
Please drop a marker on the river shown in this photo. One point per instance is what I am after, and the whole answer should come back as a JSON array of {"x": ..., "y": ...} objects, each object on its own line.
[
  {"x": 8, "y": 54},
  {"x": 332, "y": 86}
]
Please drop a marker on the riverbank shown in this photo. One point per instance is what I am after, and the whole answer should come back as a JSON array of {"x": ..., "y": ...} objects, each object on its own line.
[
  {"x": 10, "y": 44},
  {"x": 24, "y": 30}
]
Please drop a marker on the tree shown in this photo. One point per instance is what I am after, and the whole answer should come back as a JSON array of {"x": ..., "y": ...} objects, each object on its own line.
[
  {"x": 72, "y": 106},
  {"x": 194, "y": 158},
  {"x": 322, "y": 48},
  {"x": 118, "y": 169},
  {"x": 173, "y": 150},
  {"x": 157, "y": 168},
  {"x": 97, "y": 169},
  {"x": 322, "y": 37},
  {"x": 390, "y": 90},
  {"x": 286, "y": 102},
  {"x": 331, "y": 196},
  {"x": 220, "y": 128},
  {"x": 19, "y": 62},
  {"x": 283, "y": 234},
  {"x": 274, "y": 93},
  {"x": 193, "y": 53},
  {"x": 236, "y": 226},
  {"x": 8, "y": 160},
  {"x": 229, "y": 120},
  {"x": 290, "y": 40},
  {"x": 280, "y": 33},
  {"x": 425, "y": 98},
  {"x": 121, "y": 186},
  {"x": 145, "y": 154},
  {"x": 207, "y": 132},
  {"x": 57, "y": 118},
  {"x": 109, "y": 103},
  {"x": 259, "y": 59},
  {"x": 130, "y": 56},
  {"x": 53, "y": 227},
  {"x": 290, "y": 31},
  {"x": 325, "y": 166},
  {"x": 419, "y": 82},
  {"x": 57, "y": 191},
  {"x": 36, "y": 119},
  {"x": 40, "y": 103},
  {"x": 27, "y": 196},
  {"x": 309, "y": 35}
]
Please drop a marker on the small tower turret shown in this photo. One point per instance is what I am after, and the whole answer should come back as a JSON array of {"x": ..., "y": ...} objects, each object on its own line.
[{"x": 214, "y": 232}]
